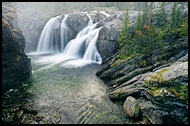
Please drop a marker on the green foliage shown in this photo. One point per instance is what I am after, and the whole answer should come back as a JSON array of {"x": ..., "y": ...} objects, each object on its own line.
[
  {"x": 184, "y": 27},
  {"x": 18, "y": 58},
  {"x": 118, "y": 93},
  {"x": 147, "y": 38},
  {"x": 183, "y": 92},
  {"x": 125, "y": 35},
  {"x": 155, "y": 79},
  {"x": 145, "y": 13},
  {"x": 157, "y": 84},
  {"x": 175, "y": 18},
  {"x": 136, "y": 108},
  {"x": 162, "y": 15}
]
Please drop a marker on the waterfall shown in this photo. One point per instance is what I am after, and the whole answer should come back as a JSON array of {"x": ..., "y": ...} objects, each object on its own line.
[
  {"x": 46, "y": 36},
  {"x": 82, "y": 47},
  {"x": 64, "y": 33},
  {"x": 54, "y": 36},
  {"x": 91, "y": 52},
  {"x": 90, "y": 20}
]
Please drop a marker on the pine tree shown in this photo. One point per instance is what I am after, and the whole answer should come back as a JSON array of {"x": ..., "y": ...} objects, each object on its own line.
[
  {"x": 173, "y": 16},
  {"x": 125, "y": 37},
  {"x": 145, "y": 13},
  {"x": 163, "y": 15},
  {"x": 139, "y": 23},
  {"x": 178, "y": 14}
]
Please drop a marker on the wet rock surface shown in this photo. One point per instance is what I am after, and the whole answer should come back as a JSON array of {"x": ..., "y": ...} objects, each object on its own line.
[{"x": 16, "y": 65}]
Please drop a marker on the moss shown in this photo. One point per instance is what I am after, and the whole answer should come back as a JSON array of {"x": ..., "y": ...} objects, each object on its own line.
[
  {"x": 156, "y": 77},
  {"x": 157, "y": 85},
  {"x": 18, "y": 58},
  {"x": 136, "y": 108},
  {"x": 163, "y": 70},
  {"x": 118, "y": 62},
  {"x": 118, "y": 93},
  {"x": 179, "y": 90}
]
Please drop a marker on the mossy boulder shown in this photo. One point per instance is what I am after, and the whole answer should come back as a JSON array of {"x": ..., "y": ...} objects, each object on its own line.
[{"x": 131, "y": 107}]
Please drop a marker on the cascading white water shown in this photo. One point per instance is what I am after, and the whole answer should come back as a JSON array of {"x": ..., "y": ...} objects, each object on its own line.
[
  {"x": 49, "y": 40},
  {"x": 82, "y": 48},
  {"x": 46, "y": 36},
  {"x": 91, "y": 52},
  {"x": 90, "y": 20},
  {"x": 64, "y": 33},
  {"x": 87, "y": 39}
]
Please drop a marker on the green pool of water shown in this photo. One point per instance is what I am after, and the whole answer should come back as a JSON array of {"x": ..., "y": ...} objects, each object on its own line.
[{"x": 71, "y": 95}]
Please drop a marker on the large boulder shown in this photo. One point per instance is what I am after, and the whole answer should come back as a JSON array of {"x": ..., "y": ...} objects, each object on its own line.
[
  {"x": 108, "y": 36},
  {"x": 108, "y": 40},
  {"x": 131, "y": 107},
  {"x": 77, "y": 22}
]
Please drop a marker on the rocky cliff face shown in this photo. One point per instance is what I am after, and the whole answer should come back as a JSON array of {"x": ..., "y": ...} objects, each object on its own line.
[
  {"x": 155, "y": 93},
  {"x": 16, "y": 65},
  {"x": 159, "y": 90}
]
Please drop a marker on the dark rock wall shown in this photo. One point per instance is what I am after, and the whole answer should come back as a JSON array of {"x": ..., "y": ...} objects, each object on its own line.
[
  {"x": 157, "y": 103},
  {"x": 159, "y": 85},
  {"x": 16, "y": 66}
]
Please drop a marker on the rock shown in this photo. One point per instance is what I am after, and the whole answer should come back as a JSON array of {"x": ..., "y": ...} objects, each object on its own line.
[
  {"x": 16, "y": 66},
  {"x": 158, "y": 105},
  {"x": 175, "y": 70},
  {"x": 109, "y": 34},
  {"x": 184, "y": 58},
  {"x": 28, "y": 109},
  {"x": 77, "y": 22},
  {"x": 19, "y": 114},
  {"x": 157, "y": 117},
  {"x": 159, "y": 86},
  {"x": 38, "y": 118},
  {"x": 131, "y": 107},
  {"x": 132, "y": 74},
  {"x": 10, "y": 118}
]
